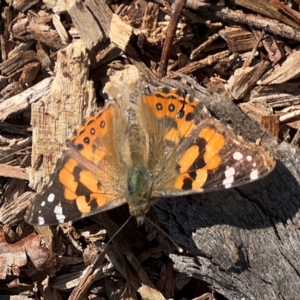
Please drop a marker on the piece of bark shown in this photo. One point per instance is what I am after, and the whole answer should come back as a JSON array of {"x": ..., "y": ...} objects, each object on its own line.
[
  {"x": 57, "y": 7},
  {"x": 87, "y": 23},
  {"x": 150, "y": 17},
  {"x": 259, "y": 22},
  {"x": 17, "y": 62},
  {"x": 44, "y": 58},
  {"x": 272, "y": 124},
  {"x": 255, "y": 111},
  {"x": 120, "y": 33},
  {"x": 196, "y": 65},
  {"x": 61, "y": 30},
  {"x": 3, "y": 83},
  {"x": 286, "y": 10},
  {"x": 283, "y": 72},
  {"x": 6, "y": 45},
  {"x": 13, "y": 212},
  {"x": 276, "y": 96},
  {"x": 14, "y": 256},
  {"x": 37, "y": 29},
  {"x": 290, "y": 116},
  {"x": 14, "y": 172},
  {"x": 22, "y": 101},
  {"x": 57, "y": 114},
  {"x": 29, "y": 73},
  {"x": 11, "y": 90},
  {"x": 106, "y": 55},
  {"x": 264, "y": 8},
  {"x": 244, "y": 79},
  {"x": 22, "y": 5},
  {"x": 238, "y": 39},
  {"x": 196, "y": 52}
]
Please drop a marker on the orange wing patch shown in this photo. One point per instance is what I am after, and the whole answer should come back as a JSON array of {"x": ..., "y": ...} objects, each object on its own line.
[
  {"x": 170, "y": 104},
  {"x": 214, "y": 143},
  {"x": 198, "y": 159},
  {"x": 92, "y": 128}
]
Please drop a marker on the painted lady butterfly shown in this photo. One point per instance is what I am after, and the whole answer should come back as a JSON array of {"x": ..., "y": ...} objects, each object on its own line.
[{"x": 166, "y": 145}]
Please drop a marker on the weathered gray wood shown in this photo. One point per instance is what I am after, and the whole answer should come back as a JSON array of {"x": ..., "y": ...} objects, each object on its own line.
[{"x": 245, "y": 241}]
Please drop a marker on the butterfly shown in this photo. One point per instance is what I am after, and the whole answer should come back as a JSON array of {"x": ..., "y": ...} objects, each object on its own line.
[{"x": 167, "y": 144}]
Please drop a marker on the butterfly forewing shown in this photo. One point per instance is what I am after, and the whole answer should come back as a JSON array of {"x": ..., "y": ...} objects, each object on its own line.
[
  {"x": 81, "y": 183},
  {"x": 201, "y": 154}
]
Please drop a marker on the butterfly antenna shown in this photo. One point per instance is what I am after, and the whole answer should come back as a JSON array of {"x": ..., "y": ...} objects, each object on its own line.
[
  {"x": 179, "y": 249},
  {"x": 118, "y": 231},
  {"x": 101, "y": 255}
]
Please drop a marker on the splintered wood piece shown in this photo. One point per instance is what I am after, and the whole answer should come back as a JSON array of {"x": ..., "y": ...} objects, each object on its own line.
[
  {"x": 60, "y": 28},
  {"x": 238, "y": 39},
  {"x": 6, "y": 45},
  {"x": 196, "y": 65},
  {"x": 276, "y": 95},
  {"x": 259, "y": 22},
  {"x": 264, "y": 8},
  {"x": 29, "y": 72},
  {"x": 16, "y": 63},
  {"x": 57, "y": 114},
  {"x": 37, "y": 28},
  {"x": 22, "y": 5},
  {"x": 295, "y": 114},
  {"x": 13, "y": 212},
  {"x": 244, "y": 79},
  {"x": 286, "y": 10},
  {"x": 150, "y": 293},
  {"x": 87, "y": 23},
  {"x": 14, "y": 172},
  {"x": 195, "y": 53},
  {"x": 57, "y": 6},
  {"x": 254, "y": 110},
  {"x": 271, "y": 123},
  {"x": 12, "y": 89},
  {"x": 21, "y": 101},
  {"x": 283, "y": 72},
  {"x": 150, "y": 17},
  {"x": 120, "y": 32},
  {"x": 43, "y": 58}
]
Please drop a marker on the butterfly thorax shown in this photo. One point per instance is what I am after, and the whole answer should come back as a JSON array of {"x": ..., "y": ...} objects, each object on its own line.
[{"x": 138, "y": 191}]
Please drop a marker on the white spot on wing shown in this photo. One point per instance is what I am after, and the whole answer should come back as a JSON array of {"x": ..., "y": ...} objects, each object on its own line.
[
  {"x": 60, "y": 217},
  {"x": 43, "y": 203},
  {"x": 229, "y": 174},
  {"x": 249, "y": 157},
  {"x": 228, "y": 182},
  {"x": 51, "y": 197},
  {"x": 237, "y": 156},
  {"x": 58, "y": 210},
  {"x": 41, "y": 221},
  {"x": 254, "y": 174}
]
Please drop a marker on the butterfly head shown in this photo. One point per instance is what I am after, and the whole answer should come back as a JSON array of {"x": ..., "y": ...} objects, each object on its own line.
[{"x": 138, "y": 191}]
